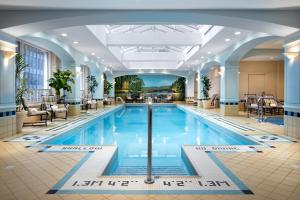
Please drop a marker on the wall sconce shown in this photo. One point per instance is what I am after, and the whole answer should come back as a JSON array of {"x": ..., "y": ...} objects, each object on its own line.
[
  {"x": 8, "y": 50},
  {"x": 222, "y": 70},
  {"x": 8, "y": 54},
  {"x": 291, "y": 55},
  {"x": 78, "y": 71}
]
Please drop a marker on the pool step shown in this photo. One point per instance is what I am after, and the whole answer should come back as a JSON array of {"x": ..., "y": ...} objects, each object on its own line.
[{"x": 141, "y": 170}]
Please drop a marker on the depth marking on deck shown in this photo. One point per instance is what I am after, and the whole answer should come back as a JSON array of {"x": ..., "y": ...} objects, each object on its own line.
[
  {"x": 227, "y": 148},
  {"x": 213, "y": 178}
]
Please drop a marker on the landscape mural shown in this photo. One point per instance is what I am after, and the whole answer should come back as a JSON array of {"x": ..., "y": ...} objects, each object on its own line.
[{"x": 158, "y": 86}]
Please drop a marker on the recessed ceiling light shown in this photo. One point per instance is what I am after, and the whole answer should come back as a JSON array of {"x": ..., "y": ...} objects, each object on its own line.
[
  {"x": 64, "y": 34},
  {"x": 237, "y": 33},
  {"x": 98, "y": 57},
  {"x": 227, "y": 39},
  {"x": 93, "y": 54},
  {"x": 209, "y": 52},
  {"x": 75, "y": 42},
  {"x": 102, "y": 60}
]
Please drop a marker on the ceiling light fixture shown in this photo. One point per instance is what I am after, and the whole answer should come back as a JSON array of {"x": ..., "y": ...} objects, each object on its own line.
[
  {"x": 98, "y": 57},
  {"x": 75, "y": 42},
  {"x": 237, "y": 33},
  {"x": 93, "y": 54},
  {"x": 227, "y": 39},
  {"x": 64, "y": 34}
]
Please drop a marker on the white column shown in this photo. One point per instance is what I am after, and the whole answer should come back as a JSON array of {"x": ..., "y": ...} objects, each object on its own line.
[
  {"x": 200, "y": 86},
  {"x": 292, "y": 89},
  {"x": 229, "y": 99},
  {"x": 189, "y": 86},
  {"x": 7, "y": 89},
  {"x": 73, "y": 98}
]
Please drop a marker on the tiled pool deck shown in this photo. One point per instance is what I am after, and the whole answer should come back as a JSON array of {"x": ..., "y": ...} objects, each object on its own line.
[{"x": 273, "y": 174}]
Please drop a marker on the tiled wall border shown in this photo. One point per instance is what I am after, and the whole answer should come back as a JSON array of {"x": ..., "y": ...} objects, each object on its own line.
[
  {"x": 7, "y": 113},
  {"x": 229, "y": 103},
  {"x": 73, "y": 103},
  {"x": 291, "y": 113}
]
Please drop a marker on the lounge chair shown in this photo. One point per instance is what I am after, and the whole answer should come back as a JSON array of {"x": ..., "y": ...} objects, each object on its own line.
[
  {"x": 34, "y": 112},
  {"x": 168, "y": 99},
  {"x": 140, "y": 99},
  {"x": 271, "y": 105},
  {"x": 129, "y": 99},
  {"x": 107, "y": 100},
  {"x": 50, "y": 105},
  {"x": 191, "y": 100}
]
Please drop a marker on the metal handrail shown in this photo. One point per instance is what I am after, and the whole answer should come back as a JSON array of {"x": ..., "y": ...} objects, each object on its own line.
[{"x": 149, "y": 179}]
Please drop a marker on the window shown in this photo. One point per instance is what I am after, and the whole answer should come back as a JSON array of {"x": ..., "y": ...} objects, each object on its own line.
[{"x": 36, "y": 74}]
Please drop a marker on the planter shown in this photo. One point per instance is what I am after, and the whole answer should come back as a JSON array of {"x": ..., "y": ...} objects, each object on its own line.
[
  {"x": 200, "y": 104},
  {"x": 20, "y": 117},
  {"x": 206, "y": 104},
  {"x": 100, "y": 104}
]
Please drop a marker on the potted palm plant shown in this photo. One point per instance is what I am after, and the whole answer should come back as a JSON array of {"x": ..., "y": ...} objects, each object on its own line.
[
  {"x": 205, "y": 90},
  {"x": 92, "y": 85},
  {"x": 107, "y": 86},
  {"x": 60, "y": 81},
  {"x": 21, "y": 90}
]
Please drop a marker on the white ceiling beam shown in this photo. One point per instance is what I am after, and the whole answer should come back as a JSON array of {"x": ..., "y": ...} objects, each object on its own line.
[
  {"x": 99, "y": 32},
  {"x": 151, "y": 65},
  {"x": 152, "y": 56},
  {"x": 154, "y": 39},
  {"x": 212, "y": 33}
]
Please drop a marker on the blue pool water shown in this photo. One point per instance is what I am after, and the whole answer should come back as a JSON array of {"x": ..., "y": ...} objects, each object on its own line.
[{"x": 127, "y": 128}]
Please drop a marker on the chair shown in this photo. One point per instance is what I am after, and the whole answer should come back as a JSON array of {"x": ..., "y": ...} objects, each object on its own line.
[
  {"x": 91, "y": 103},
  {"x": 215, "y": 101},
  {"x": 251, "y": 104},
  {"x": 107, "y": 100},
  {"x": 168, "y": 99},
  {"x": 34, "y": 112},
  {"x": 271, "y": 105},
  {"x": 129, "y": 99},
  {"x": 140, "y": 99},
  {"x": 50, "y": 105}
]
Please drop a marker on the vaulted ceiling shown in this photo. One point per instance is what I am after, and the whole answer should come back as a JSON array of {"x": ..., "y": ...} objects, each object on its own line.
[{"x": 139, "y": 47}]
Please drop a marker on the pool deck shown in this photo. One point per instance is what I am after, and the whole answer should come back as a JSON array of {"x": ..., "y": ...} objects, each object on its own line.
[{"x": 273, "y": 174}]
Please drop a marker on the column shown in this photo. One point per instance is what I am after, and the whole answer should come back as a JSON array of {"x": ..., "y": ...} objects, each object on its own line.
[
  {"x": 200, "y": 96},
  {"x": 229, "y": 99},
  {"x": 7, "y": 89},
  {"x": 73, "y": 98},
  {"x": 189, "y": 86},
  {"x": 292, "y": 90}
]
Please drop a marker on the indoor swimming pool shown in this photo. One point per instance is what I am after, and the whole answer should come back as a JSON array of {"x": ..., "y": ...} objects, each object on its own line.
[{"x": 127, "y": 129}]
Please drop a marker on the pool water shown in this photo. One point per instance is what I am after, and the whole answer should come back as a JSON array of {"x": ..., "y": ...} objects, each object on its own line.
[{"x": 127, "y": 128}]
